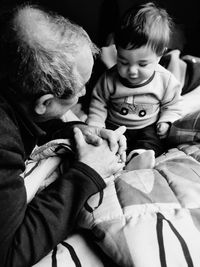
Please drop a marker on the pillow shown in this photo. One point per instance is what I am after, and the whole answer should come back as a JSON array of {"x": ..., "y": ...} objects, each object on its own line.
[{"x": 185, "y": 130}]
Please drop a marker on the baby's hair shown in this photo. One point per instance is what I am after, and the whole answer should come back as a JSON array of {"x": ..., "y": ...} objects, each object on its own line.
[{"x": 144, "y": 24}]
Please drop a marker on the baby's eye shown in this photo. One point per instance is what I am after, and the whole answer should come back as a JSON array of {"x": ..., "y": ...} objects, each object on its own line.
[
  {"x": 123, "y": 63},
  {"x": 143, "y": 64}
]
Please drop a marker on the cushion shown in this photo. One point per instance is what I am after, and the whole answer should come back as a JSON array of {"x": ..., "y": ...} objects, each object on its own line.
[{"x": 185, "y": 130}]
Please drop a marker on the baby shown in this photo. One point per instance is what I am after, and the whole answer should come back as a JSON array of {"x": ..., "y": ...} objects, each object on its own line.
[{"x": 138, "y": 92}]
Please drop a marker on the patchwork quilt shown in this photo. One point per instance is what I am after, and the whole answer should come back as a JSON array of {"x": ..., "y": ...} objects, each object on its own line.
[
  {"x": 146, "y": 217},
  {"x": 152, "y": 215}
]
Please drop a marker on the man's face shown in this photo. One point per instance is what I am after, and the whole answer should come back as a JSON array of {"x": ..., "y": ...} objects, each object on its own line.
[{"x": 83, "y": 67}]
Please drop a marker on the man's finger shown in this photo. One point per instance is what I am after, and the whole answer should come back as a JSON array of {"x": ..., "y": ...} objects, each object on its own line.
[
  {"x": 119, "y": 131},
  {"x": 93, "y": 139},
  {"x": 79, "y": 138},
  {"x": 113, "y": 137},
  {"x": 122, "y": 144},
  {"x": 110, "y": 136}
]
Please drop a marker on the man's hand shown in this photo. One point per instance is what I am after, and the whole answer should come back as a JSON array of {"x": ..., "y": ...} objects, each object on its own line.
[
  {"x": 163, "y": 129},
  {"x": 100, "y": 158},
  {"x": 116, "y": 139}
]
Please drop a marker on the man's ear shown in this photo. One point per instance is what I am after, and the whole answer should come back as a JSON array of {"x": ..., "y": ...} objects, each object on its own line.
[{"x": 42, "y": 103}]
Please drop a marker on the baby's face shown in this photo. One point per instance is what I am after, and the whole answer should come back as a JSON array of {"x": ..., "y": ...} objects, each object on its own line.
[{"x": 136, "y": 65}]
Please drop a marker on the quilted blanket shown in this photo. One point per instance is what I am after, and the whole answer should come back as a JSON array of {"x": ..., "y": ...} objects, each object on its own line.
[
  {"x": 151, "y": 217},
  {"x": 148, "y": 217}
]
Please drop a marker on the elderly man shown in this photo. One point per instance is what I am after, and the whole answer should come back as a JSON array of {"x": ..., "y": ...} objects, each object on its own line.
[{"x": 45, "y": 63}]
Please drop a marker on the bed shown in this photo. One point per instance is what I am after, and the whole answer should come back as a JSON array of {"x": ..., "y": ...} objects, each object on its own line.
[{"x": 144, "y": 217}]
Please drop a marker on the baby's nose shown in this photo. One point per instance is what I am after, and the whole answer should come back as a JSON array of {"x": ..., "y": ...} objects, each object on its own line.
[{"x": 133, "y": 69}]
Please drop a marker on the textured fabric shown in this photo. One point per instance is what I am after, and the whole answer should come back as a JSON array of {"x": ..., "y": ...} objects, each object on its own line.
[
  {"x": 150, "y": 215},
  {"x": 154, "y": 210},
  {"x": 72, "y": 252},
  {"x": 185, "y": 130}
]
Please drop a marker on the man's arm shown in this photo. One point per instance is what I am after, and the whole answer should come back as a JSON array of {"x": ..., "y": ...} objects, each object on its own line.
[{"x": 29, "y": 232}]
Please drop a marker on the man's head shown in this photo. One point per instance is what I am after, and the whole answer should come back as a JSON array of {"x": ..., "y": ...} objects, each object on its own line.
[{"x": 47, "y": 59}]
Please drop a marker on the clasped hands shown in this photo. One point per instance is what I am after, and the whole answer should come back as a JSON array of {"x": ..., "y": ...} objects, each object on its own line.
[{"x": 102, "y": 149}]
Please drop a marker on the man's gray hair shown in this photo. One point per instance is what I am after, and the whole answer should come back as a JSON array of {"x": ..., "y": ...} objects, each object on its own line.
[{"x": 39, "y": 51}]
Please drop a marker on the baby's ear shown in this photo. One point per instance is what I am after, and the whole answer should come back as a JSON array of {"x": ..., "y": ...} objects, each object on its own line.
[{"x": 42, "y": 103}]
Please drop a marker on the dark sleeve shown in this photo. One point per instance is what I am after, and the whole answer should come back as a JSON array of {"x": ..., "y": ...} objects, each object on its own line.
[
  {"x": 56, "y": 129},
  {"x": 29, "y": 232}
]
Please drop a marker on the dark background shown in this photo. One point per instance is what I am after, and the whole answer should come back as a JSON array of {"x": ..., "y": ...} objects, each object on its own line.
[{"x": 99, "y": 18}]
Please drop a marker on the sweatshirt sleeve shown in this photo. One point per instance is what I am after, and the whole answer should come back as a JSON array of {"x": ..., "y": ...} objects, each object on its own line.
[
  {"x": 171, "y": 103},
  {"x": 99, "y": 103},
  {"x": 29, "y": 231}
]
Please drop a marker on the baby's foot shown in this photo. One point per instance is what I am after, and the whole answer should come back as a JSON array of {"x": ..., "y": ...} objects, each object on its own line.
[{"x": 144, "y": 160}]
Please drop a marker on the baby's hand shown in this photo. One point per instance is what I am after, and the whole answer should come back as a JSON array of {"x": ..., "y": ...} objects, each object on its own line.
[{"x": 163, "y": 129}]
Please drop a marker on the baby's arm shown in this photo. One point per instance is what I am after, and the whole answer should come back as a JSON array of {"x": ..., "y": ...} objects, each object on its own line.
[
  {"x": 98, "y": 105},
  {"x": 171, "y": 103}
]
